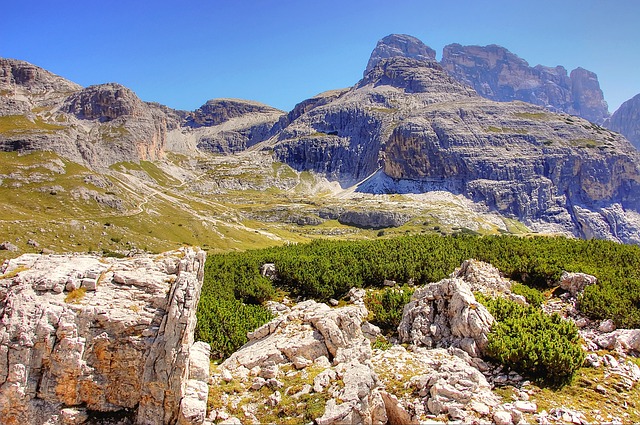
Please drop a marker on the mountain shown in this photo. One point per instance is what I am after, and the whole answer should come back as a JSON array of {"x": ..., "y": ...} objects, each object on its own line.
[
  {"x": 497, "y": 74},
  {"x": 403, "y": 45},
  {"x": 108, "y": 123},
  {"x": 410, "y": 128},
  {"x": 626, "y": 120},
  {"x": 414, "y": 128}
]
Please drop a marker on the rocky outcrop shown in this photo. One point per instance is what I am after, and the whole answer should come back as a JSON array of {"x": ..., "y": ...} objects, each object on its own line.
[
  {"x": 104, "y": 102},
  {"x": 497, "y": 74},
  {"x": 399, "y": 45},
  {"x": 231, "y": 125},
  {"x": 626, "y": 120},
  {"x": 104, "y": 124},
  {"x": 440, "y": 383},
  {"x": 446, "y": 314},
  {"x": 24, "y": 86},
  {"x": 84, "y": 338},
  {"x": 374, "y": 219},
  {"x": 312, "y": 338}
]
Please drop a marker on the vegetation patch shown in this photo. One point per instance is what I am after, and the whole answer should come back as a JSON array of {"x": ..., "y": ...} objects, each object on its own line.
[
  {"x": 13, "y": 273},
  {"x": 533, "y": 343},
  {"x": 505, "y": 130},
  {"x": 532, "y": 295},
  {"x": 233, "y": 288},
  {"x": 76, "y": 295},
  {"x": 20, "y": 124},
  {"x": 386, "y": 305},
  {"x": 540, "y": 116}
]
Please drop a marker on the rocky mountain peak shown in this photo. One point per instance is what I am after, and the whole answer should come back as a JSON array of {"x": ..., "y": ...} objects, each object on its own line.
[
  {"x": 16, "y": 74},
  {"x": 414, "y": 76},
  {"x": 626, "y": 120},
  {"x": 588, "y": 100},
  {"x": 104, "y": 102},
  {"x": 218, "y": 111},
  {"x": 400, "y": 45},
  {"x": 500, "y": 75}
]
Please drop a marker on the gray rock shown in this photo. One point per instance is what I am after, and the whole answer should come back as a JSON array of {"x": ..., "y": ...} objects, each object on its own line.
[
  {"x": 409, "y": 121},
  {"x": 8, "y": 246},
  {"x": 502, "y": 417},
  {"x": 575, "y": 283},
  {"x": 446, "y": 314},
  {"x": 400, "y": 45},
  {"x": 374, "y": 219},
  {"x": 625, "y": 120},
  {"x": 497, "y": 74},
  {"x": 133, "y": 343}
]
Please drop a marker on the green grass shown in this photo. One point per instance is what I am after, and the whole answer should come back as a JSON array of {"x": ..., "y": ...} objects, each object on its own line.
[
  {"x": 19, "y": 124},
  {"x": 587, "y": 143},
  {"x": 582, "y": 396},
  {"x": 292, "y": 409}
]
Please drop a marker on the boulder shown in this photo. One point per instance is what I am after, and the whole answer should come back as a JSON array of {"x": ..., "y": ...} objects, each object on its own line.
[
  {"x": 445, "y": 314},
  {"x": 576, "y": 282}
]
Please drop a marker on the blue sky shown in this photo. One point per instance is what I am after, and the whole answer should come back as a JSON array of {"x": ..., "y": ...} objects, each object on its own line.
[{"x": 182, "y": 53}]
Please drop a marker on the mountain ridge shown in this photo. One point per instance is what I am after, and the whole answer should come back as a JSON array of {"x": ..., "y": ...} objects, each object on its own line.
[{"x": 407, "y": 118}]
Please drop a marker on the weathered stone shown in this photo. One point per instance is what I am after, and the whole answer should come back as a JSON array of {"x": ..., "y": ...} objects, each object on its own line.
[
  {"x": 199, "y": 361},
  {"x": 576, "y": 282},
  {"x": 193, "y": 405},
  {"x": 101, "y": 352},
  {"x": 625, "y": 120},
  {"x": 607, "y": 326},
  {"x": 396, "y": 413},
  {"x": 400, "y": 45},
  {"x": 498, "y": 74},
  {"x": 8, "y": 246},
  {"x": 446, "y": 314},
  {"x": 525, "y": 406},
  {"x": 502, "y": 417}
]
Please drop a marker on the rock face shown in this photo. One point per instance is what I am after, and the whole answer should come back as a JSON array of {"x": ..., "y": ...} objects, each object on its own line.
[
  {"x": 626, "y": 120},
  {"x": 399, "y": 45},
  {"x": 411, "y": 121},
  {"x": 446, "y": 314},
  {"x": 24, "y": 86},
  {"x": 231, "y": 125},
  {"x": 104, "y": 124},
  {"x": 311, "y": 336},
  {"x": 500, "y": 75},
  {"x": 98, "y": 339}
]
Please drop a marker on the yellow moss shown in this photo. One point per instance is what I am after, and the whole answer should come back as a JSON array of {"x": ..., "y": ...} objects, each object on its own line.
[{"x": 75, "y": 296}]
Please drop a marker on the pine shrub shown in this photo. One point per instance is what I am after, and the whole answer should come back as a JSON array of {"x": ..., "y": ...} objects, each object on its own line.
[
  {"x": 533, "y": 343},
  {"x": 386, "y": 306}
]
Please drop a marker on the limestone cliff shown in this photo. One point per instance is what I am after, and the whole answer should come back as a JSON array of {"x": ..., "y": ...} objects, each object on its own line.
[
  {"x": 85, "y": 339},
  {"x": 399, "y": 45},
  {"x": 231, "y": 125},
  {"x": 498, "y": 74},
  {"x": 107, "y": 123},
  {"x": 626, "y": 120},
  {"x": 412, "y": 121}
]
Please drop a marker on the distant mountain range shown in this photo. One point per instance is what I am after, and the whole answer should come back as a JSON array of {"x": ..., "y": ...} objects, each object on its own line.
[{"x": 481, "y": 123}]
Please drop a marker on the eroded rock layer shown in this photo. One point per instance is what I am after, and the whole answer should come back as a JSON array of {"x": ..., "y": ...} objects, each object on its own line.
[{"x": 85, "y": 338}]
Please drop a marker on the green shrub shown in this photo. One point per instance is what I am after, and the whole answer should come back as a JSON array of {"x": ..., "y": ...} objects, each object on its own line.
[
  {"x": 386, "y": 305},
  {"x": 327, "y": 269},
  {"x": 532, "y": 295},
  {"x": 533, "y": 343}
]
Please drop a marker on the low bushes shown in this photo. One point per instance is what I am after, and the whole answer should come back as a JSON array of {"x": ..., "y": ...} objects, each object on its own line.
[
  {"x": 385, "y": 307},
  {"x": 327, "y": 269},
  {"x": 533, "y": 343}
]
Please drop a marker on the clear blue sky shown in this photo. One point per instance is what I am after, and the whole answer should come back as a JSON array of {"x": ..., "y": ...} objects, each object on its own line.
[{"x": 280, "y": 52}]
